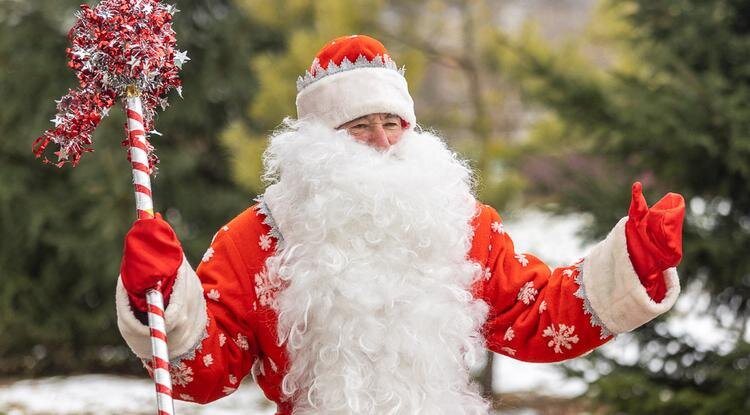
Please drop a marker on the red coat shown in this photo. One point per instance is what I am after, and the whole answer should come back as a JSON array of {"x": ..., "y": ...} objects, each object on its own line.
[{"x": 536, "y": 314}]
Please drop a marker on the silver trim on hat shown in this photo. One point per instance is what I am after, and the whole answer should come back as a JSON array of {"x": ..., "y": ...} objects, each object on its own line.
[{"x": 378, "y": 61}]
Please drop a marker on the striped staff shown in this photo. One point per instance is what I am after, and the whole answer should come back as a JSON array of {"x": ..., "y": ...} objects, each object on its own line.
[
  {"x": 145, "y": 208},
  {"x": 139, "y": 155},
  {"x": 159, "y": 353},
  {"x": 121, "y": 49}
]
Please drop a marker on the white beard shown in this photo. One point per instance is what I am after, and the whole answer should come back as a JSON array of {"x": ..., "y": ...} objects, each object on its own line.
[{"x": 377, "y": 312}]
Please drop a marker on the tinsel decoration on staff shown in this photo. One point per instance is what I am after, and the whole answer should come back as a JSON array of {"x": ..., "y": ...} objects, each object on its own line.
[
  {"x": 122, "y": 50},
  {"x": 118, "y": 43}
]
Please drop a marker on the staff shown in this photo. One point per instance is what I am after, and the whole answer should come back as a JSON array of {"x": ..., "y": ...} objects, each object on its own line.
[{"x": 122, "y": 49}]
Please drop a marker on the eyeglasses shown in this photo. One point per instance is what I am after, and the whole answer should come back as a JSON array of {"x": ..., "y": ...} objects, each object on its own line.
[{"x": 363, "y": 126}]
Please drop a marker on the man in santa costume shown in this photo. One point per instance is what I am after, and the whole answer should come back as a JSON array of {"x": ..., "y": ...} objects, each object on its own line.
[{"x": 367, "y": 279}]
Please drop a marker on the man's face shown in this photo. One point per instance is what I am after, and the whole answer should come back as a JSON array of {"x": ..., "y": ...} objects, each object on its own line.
[{"x": 377, "y": 130}]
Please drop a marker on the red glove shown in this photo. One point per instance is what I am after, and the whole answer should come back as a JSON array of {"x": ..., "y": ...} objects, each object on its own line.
[
  {"x": 150, "y": 259},
  {"x": 654, "y": 238}
]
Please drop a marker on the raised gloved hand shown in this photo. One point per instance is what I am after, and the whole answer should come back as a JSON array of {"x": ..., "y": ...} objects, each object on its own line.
[
  {"x": 654, "y": 238},
  {"x": 151, "y": 258}
]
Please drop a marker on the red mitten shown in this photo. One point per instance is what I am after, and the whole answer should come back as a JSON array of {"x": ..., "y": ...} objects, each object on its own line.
[
  {"x": 654, "y": 238},
  {"x": 150, "y": 259}
]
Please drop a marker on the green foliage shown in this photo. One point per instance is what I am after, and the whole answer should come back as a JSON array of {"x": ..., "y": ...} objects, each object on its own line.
[
  {"x": 63, "y": 228},
  {"x": 717, "y": 385},
  {"x": 668, "y": 105},
  {"x": 245, "y": 151}
]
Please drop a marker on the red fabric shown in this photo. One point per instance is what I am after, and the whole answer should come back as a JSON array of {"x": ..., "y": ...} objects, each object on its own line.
[
  {"x": 151, "y": 257},
  {"x": 654, "y": 238},
  {"x": 350, "y": 47},
  {"x": 241, "y": 333},
  {"x": 535, "y": 314}
]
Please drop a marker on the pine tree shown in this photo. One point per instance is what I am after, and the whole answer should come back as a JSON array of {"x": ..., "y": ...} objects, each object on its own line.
[{"x": 667, "y": 102}]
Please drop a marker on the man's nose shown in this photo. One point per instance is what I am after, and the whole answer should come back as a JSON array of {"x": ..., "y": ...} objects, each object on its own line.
[{"x": 378, "y": 136}]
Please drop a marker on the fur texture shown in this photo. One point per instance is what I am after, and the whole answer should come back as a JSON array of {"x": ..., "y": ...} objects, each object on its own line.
[
  {"x": 614, "y": 290},
  {"x": 377, "y": 314},
  {"x": 185, "y": 315}
]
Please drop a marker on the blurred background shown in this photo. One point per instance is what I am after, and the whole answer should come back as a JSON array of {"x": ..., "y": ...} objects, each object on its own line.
[{"x": 559, "y": 104}]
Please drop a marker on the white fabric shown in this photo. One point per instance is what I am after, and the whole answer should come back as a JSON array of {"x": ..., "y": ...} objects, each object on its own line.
[
  {"x": 614, "y": 290},
  {"x": 345, "y": 96},
  {"x": 185, "y": 316},
  {"x": 377, "y": 315}
]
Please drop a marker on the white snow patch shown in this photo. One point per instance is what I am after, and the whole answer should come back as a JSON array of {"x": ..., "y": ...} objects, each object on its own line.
[
  {"x": 553, "y": 239},
  {"x": 543, "y": 378},
  {"x": 106, "y": 394}
]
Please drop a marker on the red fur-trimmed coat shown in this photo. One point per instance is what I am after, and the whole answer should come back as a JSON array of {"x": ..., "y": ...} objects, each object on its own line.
[{"x": 221, "y": 324}]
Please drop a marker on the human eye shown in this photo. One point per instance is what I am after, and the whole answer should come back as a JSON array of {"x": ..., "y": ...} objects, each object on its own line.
[
  {"x": 391, "y": 125},
  {"x": 358, "y": 128}
]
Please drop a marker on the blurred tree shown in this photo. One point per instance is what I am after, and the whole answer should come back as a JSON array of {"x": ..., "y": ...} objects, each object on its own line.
[
  {"x": 668, "y": 103},
  {"x": 62, "y": 229}
]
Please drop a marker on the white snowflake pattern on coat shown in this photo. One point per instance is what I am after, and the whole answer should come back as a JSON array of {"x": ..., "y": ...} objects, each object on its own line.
[
  {"x": 233, "y": 379},
  {"x": 497, "y": 227},
  {"x": 521, "y": 258},
  {"x": 208, "y": 360},
  {"x": 563, "y": 337},
  {"x": 222, "y": 339},
  {"x": 509, "y": 334},
  {"x": 527, "y": 293},
  {"x": 207, "y": 256},
  {"x": 267, "y": 288},
  {"x": 186, "y": 397},
  {"x": 228, "y": 390},
  {"x": 213, "y": 294},
  {"x": 241, "y": 342},
  {"x": 181, "y": 374},
  {"x": 508, "y": 350},
  {"x": 542, "y": 306},
  {"x": 567, "y": 273},
  {"x": 265, "y": 242}
]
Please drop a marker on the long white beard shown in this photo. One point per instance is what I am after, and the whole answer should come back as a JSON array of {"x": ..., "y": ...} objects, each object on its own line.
[{"x": 377, "y": 313}]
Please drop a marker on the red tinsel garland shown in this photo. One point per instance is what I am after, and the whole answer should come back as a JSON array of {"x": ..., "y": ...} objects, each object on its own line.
[{"x": 116, "y": 47}]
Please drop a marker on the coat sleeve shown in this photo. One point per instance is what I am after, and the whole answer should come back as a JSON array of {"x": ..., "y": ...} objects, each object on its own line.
[
  {"x": 541, "y": 315},
  {"x": 211, "y": 340}
]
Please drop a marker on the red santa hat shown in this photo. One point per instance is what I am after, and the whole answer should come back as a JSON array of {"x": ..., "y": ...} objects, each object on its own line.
[{"x": 350, "y": 77}]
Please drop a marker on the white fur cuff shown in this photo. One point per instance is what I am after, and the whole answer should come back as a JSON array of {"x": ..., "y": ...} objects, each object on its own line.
[
  {"x": 614, "y": 290},
  {"x": 185, "y": 316}
]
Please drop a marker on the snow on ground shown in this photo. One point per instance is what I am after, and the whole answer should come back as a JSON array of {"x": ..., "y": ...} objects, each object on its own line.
[
  {"x": 115, "y": 395},
  {"x": 106, "y": 394}
]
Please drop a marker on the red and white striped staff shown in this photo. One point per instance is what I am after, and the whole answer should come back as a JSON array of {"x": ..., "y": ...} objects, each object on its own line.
[
  {"x": 159, "y": 353},
  {"x": 114, "y": 58},
  {"x": 145, "y": 207},
  {"x": 139, "y": 155}
]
